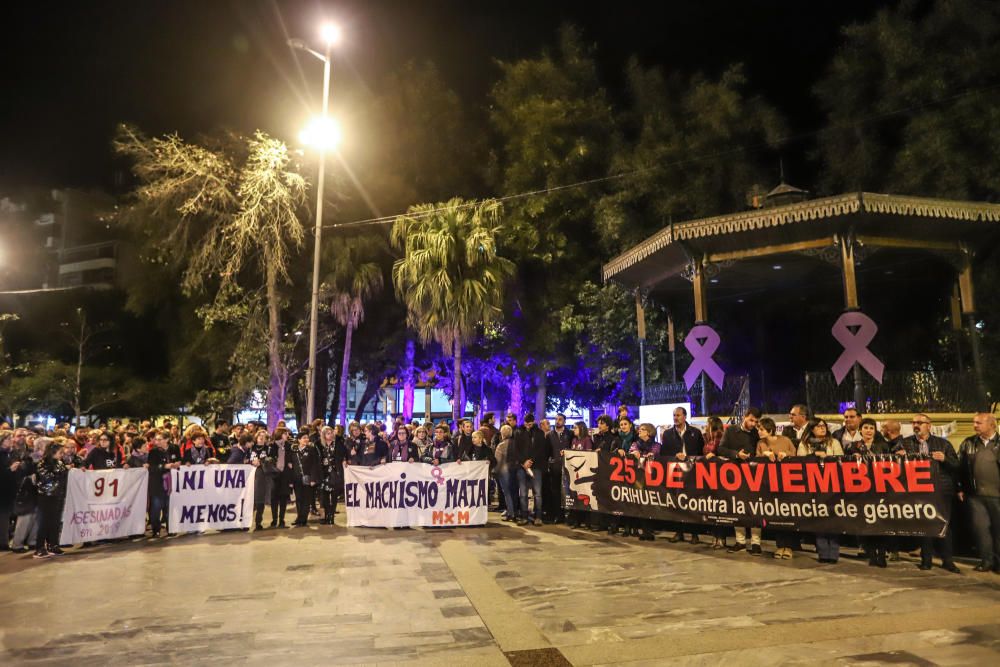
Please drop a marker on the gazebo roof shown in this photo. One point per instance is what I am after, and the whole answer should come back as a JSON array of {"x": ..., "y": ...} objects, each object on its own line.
[{"x": 891, "y": 219}]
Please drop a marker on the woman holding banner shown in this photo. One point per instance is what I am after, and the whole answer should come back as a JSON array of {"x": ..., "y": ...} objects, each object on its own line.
[
  {"x": 440, "y": 450},
  {"x": 401, "y": 449},
  {"x": 866, "y": 450},
  {"x": 816, "y": 441},
  {"x": 644, "y": 449},
  {"x": 607, "y": 441}
]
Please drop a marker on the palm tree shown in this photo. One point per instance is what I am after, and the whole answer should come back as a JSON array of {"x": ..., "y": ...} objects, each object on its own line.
[
  {"x": 450, "y": 277},
  {"x": 355, "y": 278}
]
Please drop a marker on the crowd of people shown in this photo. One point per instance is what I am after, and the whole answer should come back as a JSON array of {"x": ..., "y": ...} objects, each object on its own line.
[{"x": 525, "y": 460}]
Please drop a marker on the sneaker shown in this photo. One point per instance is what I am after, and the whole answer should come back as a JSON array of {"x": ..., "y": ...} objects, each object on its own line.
[
  {"x": 56, "y": 551},
  {"x": 736, "y": 548},
  {"x": 42, "y": 554},
  {"x": 755, "y": 550},
  {"x": 538, "y": 522},
  {"x": 522, "y": 522}
]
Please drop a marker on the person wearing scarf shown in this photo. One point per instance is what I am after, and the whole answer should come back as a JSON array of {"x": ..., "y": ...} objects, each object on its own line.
[
  {"x": 282, "y": 454},
  {"x": 305, "y": 476},
  {"x": 440, "y": 450},
  {"x": 865, "y": 450},
  {"x": 644, "y": 449},
  {"x": 264, "y": 460},
  {"x": 816, "y": 442},
  {"x": 402, "y": 450},
  {"x": 333, "y": 455}
]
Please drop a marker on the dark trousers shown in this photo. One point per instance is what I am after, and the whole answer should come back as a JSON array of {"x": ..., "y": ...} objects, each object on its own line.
[
  {"x": 258, "y": 514},
  {"x": 943, "y": 545},
  {"x": 48, "y": 531},
  {"x": 157, "y": 512},
  {"x": 278, "y": 506},
  {"x": 554, "y": 492},
  {"x": 5, "y": 530},
  {"x": 985, "y": 515},
  {"x": 304, "y": 495}
]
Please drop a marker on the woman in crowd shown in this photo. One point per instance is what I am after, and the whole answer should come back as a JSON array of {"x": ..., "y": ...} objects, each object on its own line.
[
  {"x": 333, "y": 454},
  {"x": 440, "y": 450},
  {"x": 865, "y": 450},
  {"x": 104, "y": 456},
  {"x": 197, "y": 450},
  {"x": 420, "y": 439},
  {"x": 355, "y": 443},
  {"x": 581, "y": 443},
  {"x": 50, "y": 483},
  {"x": 627, "y": 433},
  {"x": 401, "y": 449},
  {"x": 644, "y": 449},
  {"x": 375, "y": 451},
  {"x": 506, "y": 473},
  {"x": 714, "y": 430},
  {"x": 776, "y": 448},
  {"x": 282, "y": 448},
  {"x": 305, "y": 476},
  {"x": 816, "y": 441},
  {"x": 263, "y": 457},
  {"x": 480, "y": 451},
  {"x": 137, "y": 453}
]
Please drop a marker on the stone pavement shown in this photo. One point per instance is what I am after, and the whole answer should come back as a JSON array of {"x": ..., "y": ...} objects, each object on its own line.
[{"x": 494, "y": 595}]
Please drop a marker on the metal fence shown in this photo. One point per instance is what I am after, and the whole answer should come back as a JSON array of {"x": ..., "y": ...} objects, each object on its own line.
[
  {"x": 731, "y": 401},
  {"x": 924, "y": 391}
]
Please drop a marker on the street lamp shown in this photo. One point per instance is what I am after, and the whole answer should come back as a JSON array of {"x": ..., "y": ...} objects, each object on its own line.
[{"x": 323, "y": 134}]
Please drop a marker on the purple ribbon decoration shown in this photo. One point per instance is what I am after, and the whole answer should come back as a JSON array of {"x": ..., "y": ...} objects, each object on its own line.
[
  {"x": 702, "y": 353},
  {"x": 856, "y": 346}
]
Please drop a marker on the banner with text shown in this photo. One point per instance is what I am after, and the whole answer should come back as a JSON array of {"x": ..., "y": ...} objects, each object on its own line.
[
  {"x": 104, "y": 505},
  {"x": 211, "y": 497},
  {"x": 879, "y": 497},
  {"x": 417, "y": 494}
]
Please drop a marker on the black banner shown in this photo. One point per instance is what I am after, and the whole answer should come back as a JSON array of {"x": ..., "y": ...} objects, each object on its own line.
[{"x": 873, "y": 497}]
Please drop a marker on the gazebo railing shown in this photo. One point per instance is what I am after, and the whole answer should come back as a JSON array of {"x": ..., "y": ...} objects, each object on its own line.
[{"x": 920, "y": 391}]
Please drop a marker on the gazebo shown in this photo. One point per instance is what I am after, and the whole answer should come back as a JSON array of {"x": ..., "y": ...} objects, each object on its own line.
[{"x": 791, "y": 232}]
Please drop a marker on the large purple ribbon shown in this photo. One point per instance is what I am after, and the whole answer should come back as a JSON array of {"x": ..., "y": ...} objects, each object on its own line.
[
  {"x": 702, "y": 353},
  {"x": 856, "y": 345}
]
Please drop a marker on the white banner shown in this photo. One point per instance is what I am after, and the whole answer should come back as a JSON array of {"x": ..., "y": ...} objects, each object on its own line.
[
  {"x": 210, "y": 497},
  {"x": 417, "y": 494},
  {"x": 104, "y": 505}
]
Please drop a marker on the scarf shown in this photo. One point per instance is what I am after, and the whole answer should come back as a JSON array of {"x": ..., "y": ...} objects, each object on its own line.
[
  {"x": 281, "y": 456},
  {"x": 400, "y": 450}
]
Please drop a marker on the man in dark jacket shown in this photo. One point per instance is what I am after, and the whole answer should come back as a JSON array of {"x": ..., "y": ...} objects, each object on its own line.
[
  {"x": 463, "y": 441},
  {"x": 741, "y": 443},
  {"x": 559, "y": 439},
  {"x": 798, "y": 417},
  {"x": 681, "y": 440},
  {"x": 9, "y": 464},
  {"x": 926, "y": 445},
  {"x": 533, "y": 456},
  {"x": 161, "y": 459},
  {"x": 979, "y": 486}
]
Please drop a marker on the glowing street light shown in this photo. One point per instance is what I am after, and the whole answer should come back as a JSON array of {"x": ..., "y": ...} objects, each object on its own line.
[
  {"x": 322, "y": 133},
  {"x": 330, "y": 33}
]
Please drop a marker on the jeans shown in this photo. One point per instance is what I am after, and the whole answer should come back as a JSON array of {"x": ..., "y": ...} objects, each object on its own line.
[
  {"x": 828, "y": 547},
  {"x": 985, "y": 513},
  {"x": 524, "y": 480},
  {"x": 507, "y": 480},
  {"x": 26, "y": 530},
  {"x": 157, "y": 512}
]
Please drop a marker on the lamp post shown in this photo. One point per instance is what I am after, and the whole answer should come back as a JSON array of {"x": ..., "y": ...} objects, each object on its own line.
[{"x": 322, "y": 134}]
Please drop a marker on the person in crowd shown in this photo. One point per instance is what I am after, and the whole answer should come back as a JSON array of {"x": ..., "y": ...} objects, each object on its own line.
[
  {"x": 440, "y": 450},
  {"x": 401, "y": 449},
  {"x": 892, "y": 433},
  {"x": 979, "y": 487},
  {"x": 851, "y": 430},
  {"x": 644, "y": 449},
  {"x": 608, "y": 442},
  {"x": 924, "y": 444},
  {"x": 137, "y": 454},
  {"x": 505, "y": 472},
  {"x": 740, "y": 444},
  {"x": 25, "y": 505},
  {"x": 798, "y": 417},
  {"x": 533, "y": 453},
  {"x": 463, "y": 440},
  {"x": 420, "y": 439},
  {"x": 714, "y": 430},
  {"x": 263, "y": 457},
  {"x": 354, "y": 441},
  {"x": 9, "y": 465},
  {"x": 490, "y": 432},
  {"x": 817, "y": 442},
  {"x": 220, "y": 440},
  {"x": 305, "y": 476},
  {"x": 282, "y": 451},
  {"x": 626, "y": 433},
  {"x": 162, "y": 458},
  {"x": 480, "y": 451},
  {"x": 50, "y": 483},
  {"x": 333, "y": 454},
  {"x": 375, "y": 450},
  {"x": 867, "y": 449},
  {"x": 197, "y": 450},
  {"x": 681, "y": 441},
  {"x": 239, "y": 454},
  {"x": 776, "y": 447},
  {"x": 623, "y": 413},
  {"x": 559, "y": 439},
  {"x": 545, "y": 425},
  {"x": 103, "y": 456}
]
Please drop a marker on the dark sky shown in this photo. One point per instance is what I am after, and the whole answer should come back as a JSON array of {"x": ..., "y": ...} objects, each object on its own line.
[{"x": 74, "y": 70}]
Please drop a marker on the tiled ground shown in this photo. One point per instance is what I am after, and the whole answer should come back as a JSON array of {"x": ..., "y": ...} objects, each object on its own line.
[{"x": 470, "y": 596}]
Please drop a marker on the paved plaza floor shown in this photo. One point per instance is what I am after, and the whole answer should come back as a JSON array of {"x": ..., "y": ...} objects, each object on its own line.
[{"x": 493, "y": 595}]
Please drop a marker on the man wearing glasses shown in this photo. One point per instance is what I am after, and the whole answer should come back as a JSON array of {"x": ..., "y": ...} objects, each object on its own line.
[
  {"x": 799, "y": 417},
  {"x": 924, "y": 444}
]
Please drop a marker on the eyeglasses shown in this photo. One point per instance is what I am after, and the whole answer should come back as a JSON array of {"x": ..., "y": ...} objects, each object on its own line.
[{"x": 918, "y": 423}]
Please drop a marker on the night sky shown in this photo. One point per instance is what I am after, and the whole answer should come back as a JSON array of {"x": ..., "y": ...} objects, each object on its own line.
[{"x": 74, "y": 70}]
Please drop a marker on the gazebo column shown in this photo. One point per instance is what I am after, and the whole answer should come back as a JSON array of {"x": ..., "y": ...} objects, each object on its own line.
[
  {"x": 956, "y": 326},
  {"x": 969, "y": 311},
  {"x": 700, "y": 317},
  {"x": 640, "y": 319},
  {"x": 851, "y": 303}
]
